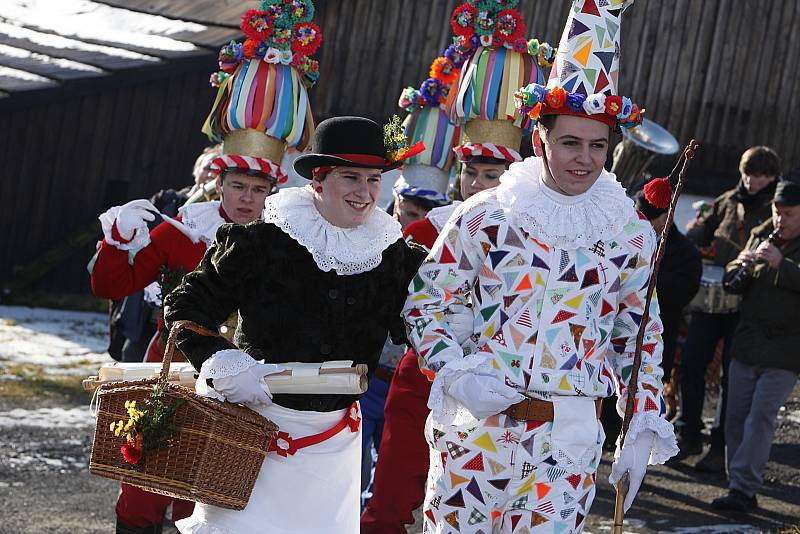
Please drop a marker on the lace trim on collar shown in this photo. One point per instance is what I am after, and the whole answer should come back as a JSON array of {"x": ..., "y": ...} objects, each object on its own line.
[
  {"x": 567, "y": 222},
  {"x": 345, "y": 250}
]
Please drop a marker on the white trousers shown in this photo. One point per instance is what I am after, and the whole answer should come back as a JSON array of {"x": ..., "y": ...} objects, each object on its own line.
[{"x": 315, "y": 490}]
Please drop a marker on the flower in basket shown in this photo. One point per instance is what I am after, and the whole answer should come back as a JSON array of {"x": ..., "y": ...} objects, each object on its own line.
[
  {"x": 396, "y": 143},
  {"x": 146, "y": 429}
]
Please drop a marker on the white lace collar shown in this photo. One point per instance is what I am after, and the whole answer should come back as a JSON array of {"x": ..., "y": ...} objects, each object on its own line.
[
  {"x": 567, "y": 222},
  {"x": 346, "y": 250},
  {"x": 203, "y": 219},
  {"x": 439, "y": 216}
]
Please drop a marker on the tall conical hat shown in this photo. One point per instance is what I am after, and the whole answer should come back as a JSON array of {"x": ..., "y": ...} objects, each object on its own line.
[
  {"x": 262, "y": 105},
  {"x": 501, "y": 60},
  {"x": 584, "y": 78}
]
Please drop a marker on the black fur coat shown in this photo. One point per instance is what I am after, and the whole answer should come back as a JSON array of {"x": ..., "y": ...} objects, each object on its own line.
[{"x": 290, "y": 309}]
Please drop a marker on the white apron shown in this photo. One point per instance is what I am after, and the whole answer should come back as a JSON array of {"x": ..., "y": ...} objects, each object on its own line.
[{"x": 315, "y": 490}]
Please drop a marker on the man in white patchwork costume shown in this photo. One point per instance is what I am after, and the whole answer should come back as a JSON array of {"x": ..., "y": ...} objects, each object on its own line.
[{"x": 556, "y": 263}]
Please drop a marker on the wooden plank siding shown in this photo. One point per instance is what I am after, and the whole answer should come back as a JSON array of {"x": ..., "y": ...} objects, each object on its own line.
[{"x": 722, "y": 71}]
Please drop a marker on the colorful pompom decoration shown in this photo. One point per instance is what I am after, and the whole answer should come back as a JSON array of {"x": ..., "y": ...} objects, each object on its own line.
[
  {"x": 257, "y": 24},
  {"x": 307, "y": 38}
]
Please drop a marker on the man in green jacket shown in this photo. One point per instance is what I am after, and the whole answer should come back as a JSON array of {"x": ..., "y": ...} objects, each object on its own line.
[
  {"x": 723, "y": 233},
  {"x": 765, "y": 362}
]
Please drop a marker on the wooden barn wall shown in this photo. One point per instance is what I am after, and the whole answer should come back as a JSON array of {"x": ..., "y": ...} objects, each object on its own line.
[
  {"x": 721, "y": 71},
  {"x": 65, "y": 158}
]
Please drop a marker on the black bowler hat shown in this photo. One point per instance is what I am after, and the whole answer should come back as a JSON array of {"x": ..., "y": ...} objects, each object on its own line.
[
  {"x": 787, "y": 193},
  {"x": 348, "y": 142}
]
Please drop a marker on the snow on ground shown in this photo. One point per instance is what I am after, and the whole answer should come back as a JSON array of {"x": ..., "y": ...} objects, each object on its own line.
[
  {"x": 48, "y": 417},
  {"x": 59, "y": 341}
]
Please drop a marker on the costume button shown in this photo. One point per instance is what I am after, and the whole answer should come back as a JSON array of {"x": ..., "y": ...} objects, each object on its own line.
[
  {"x": 325, "y": 349},
  {"x": 351, "y": 300},
  {"x": 333, "y": 294}
]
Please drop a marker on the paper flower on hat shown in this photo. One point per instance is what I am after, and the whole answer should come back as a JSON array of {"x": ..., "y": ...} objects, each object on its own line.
[
  {"x": 282, "y": 25},
  {"x": 431, "y": 91},
  {"x": 444, "y": 70},
  {"x": 463, "y": 20},
  {"x": 658, "y": 192},
  {"x": 257, "y": 24},
  {"x": 509, "y": 26},
  {"x": 307, "y": 38},
  {"x": 587, "y": 66}
]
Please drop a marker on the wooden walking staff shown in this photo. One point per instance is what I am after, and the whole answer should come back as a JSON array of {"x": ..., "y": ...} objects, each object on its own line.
[{"x": 633, "y": 384}]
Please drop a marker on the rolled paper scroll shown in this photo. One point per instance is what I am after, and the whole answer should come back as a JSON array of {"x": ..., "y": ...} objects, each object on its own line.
[{"x": 325, "y": 378}]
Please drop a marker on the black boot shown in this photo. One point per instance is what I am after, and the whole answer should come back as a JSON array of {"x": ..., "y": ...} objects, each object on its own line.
[
  {"x": 122, "y": 528},
  {"x": 712, "y": 462},
  {"x": 735, "y": 501}
]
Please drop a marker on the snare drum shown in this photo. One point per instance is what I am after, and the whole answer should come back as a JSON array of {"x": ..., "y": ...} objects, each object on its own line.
[{"x": 712, "y": 297}]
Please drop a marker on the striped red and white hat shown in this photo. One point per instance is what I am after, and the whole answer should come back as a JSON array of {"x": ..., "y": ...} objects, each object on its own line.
[
  {"x": 470, "y": 150},
  {"x": 248, "y": 163}
]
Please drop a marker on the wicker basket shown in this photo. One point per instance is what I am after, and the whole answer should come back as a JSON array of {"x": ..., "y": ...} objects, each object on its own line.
[{"x": 214, "y": 458}]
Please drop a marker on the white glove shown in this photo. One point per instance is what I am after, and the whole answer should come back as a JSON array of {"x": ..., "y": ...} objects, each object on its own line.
[
  {"x": 133, "y": 215},
  {"x": 633, "y": 459},
  {"x": 461, "y": 320},
  {"x": 483, "y": 395},
  {"x": 248, "y": 387}
]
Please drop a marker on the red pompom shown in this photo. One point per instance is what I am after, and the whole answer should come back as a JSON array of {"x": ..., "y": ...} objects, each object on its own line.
[{"x": 658, "y": 192}]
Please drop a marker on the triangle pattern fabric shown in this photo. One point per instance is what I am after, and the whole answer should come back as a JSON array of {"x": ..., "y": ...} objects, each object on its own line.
[
  {"x": 496, "y": 256},
  {"x": 485, "y": 442},
  {"x": 456, "y": 500},
  {"x": 456, "y": 479},
  {"x": 475, "y": 464},
  {"x": 475, "y": 490},
  {"x": 569, "y": 276},
  {"x": 496, "y": 467},
  {"x": 513, "y": 240},
  {"x": 538, "y": 262},
  {"x": 591, "y": 8},
  {"x": 446, "y": 256},
  {"x": 577, "y": 28},
  {"x": 582, "y": 54},
  {"x": 500, "y": 483}
]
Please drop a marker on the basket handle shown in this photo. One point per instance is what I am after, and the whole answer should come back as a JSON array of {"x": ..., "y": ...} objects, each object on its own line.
[{"x": 177, "y": 327}]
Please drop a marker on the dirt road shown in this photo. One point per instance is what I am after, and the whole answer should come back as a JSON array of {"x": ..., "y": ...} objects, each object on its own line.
[{"x": 46, "y": 433}]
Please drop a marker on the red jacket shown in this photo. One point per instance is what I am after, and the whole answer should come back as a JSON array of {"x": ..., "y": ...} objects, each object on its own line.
[
  {"x": 421, "y": 232},
  {"x": 113, "y": 277}
]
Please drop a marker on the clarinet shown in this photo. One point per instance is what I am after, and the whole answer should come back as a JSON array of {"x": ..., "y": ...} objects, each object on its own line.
[{"x": 739, "y": 279}]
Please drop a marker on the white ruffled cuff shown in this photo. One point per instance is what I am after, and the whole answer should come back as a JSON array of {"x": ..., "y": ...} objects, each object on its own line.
[
  {"x": 445, "y": 409},
  {"x": 665, "y": 445},
  {"x": 141, "y": 236},
  {"x": 223, "y": 363}
]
